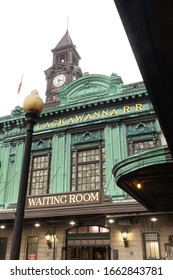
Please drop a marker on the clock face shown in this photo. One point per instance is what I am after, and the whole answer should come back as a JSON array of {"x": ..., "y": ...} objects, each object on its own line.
[{"x": 59, "y": 80}]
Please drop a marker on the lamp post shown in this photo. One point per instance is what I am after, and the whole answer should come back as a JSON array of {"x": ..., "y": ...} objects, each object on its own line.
[{"x": 32, "y": 106}]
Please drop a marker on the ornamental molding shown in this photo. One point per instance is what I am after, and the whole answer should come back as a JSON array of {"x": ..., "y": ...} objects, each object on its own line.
[
  {"x": 86, "y": 138},
  {"x": 88, "y": 89},
  {"x": 141, "y": 128},
  {"x": 41, "y": 145}
]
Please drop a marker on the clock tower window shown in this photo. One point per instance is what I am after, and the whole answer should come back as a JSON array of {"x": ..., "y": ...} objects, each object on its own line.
[
  {"x": 75, "y": 62},
  {"x": 61, "y": 58}
]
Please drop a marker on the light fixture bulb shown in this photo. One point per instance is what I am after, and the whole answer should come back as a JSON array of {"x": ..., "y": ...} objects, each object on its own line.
[
  {"x": 110, "y": 221},
  {"x": 33, "y": 103},
  {"x": 2, "y": 226},
  {"x": 37, "y": 225},
  {"x": 139, "y": 185}
]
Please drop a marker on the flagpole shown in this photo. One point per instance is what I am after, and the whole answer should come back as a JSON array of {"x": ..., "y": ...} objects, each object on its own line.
[{"x": 18, "y": 99}]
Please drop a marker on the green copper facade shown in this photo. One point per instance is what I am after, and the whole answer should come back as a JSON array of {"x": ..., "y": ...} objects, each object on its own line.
[{"x": 93, "y": 109}]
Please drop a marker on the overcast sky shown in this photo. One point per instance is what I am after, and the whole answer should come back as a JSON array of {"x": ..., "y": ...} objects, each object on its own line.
[{"x": 31, "y": 28}]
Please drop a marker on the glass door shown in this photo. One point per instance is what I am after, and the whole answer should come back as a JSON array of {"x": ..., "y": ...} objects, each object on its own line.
[{"x": 88, "y": 253}]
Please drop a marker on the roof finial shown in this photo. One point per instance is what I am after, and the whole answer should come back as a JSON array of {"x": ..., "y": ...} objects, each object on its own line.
[{"x": 67, "y": 22}]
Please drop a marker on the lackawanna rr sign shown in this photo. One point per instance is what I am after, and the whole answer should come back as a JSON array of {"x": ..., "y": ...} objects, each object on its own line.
[
  {"x": 63, "y": 199},
  {"x": 92, "y": 116}
]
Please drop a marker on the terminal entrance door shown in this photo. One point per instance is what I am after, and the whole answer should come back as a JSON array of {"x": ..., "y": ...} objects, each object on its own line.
[
  {"x": 88, "y": 253},
  {"x": 88, "y": 243}
]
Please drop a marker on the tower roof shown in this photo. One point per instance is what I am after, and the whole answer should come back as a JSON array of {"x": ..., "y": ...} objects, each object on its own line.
[
  {"x": 65, "y": 43},
  {"x": 66, "y": 40}
]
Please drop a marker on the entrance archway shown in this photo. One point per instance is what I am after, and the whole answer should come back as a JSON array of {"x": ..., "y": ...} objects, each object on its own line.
[{"x": 88, "y": 243}]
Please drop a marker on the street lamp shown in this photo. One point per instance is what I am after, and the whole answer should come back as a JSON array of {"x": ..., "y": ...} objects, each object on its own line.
[{"x": 32, "y": 106}]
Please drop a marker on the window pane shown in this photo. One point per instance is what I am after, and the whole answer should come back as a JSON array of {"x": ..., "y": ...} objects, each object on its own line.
[
  {"x": 142, "y": 146},
  {"x": 152, "y": 250},
  {"x": 32, "y": 246},
  {"x": 38, "y": 176},
  {"x": 82, "y": 229},
  {"x": 93, "y": 229},
  {"x": 87, "y": 169},
  {"x": 152, "y": 246},
  {"x": 151, "y": 236},
  {"x": 103, "y": 229}
]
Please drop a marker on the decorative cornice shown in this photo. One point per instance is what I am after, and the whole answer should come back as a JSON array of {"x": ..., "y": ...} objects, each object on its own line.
[
  {"x": 86, "y": 138},
  {"x": 91, "y": 104}
]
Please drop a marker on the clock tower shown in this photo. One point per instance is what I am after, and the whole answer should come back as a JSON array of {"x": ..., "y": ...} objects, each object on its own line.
[{"x": 65, "y": 68}]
